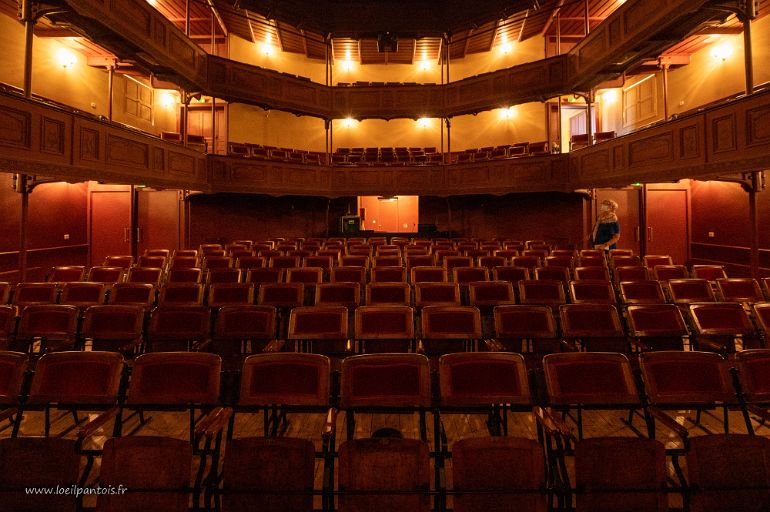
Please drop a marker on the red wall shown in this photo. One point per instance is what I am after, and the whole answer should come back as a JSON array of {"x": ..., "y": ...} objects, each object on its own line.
[
  {"x": 55, "y": 209},
  {"x": 555, "y": 217}
]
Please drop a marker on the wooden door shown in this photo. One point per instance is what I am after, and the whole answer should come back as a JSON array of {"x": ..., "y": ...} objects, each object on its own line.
[
  {"x": 110, "y": 224},
  {"x": 667, "y": 223},
  {"x": 159, "y": 220},
  {"x": 199, "y": 123}
]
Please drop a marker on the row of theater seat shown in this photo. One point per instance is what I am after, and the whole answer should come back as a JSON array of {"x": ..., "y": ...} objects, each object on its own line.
[
  {"x": 433, "y": 330},
  {"x": 468, "y": 382},
  {"x": 724, "y": 472},
  {"x": 496, "y": 383}
]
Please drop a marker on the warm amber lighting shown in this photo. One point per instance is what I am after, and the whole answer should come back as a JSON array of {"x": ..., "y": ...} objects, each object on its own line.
[
  {"x": 65, "y": 58},
  {"x": 506, "y": 47},
  {"x": 348, "y": 122},
  {"x": 507, "y": 113},
  {"x": 722, "y": 51},
  {"x": 423, "y": 122},
  {"x": 266, "y": 48},
  {"x": 424, "y": 65},
  {"x": 610, "y": 96},
  {"x": 167, "y": 99}
]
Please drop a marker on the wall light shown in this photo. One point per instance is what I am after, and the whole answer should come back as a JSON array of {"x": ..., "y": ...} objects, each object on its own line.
[
  {"x": 423, "y": 122},
  {"x": 424, "y": 65},
  {"x": 65, "y": 58},
  {"x": 167, "y": 99},
  {"x": 507, "y": 112},
  {"x": 722, "y": 51},
  {"x": 506, "y": 47},
  {"x": 348, "y": 122},
  {"x": 610, "y": 96}
]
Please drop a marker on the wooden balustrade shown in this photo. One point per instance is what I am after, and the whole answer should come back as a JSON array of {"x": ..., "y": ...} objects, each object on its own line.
[{"x": 635, "y": 31}]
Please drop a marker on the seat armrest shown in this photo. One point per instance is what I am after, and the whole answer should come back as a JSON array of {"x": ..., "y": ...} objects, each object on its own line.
[
  {"x": 668, "y": 421},
  {"x": 275, "y": 346},
  {"x": 492, "y": 345},
  {"x": 552, "y": 424},
  {"x": 92, "y": 426},
  {"x": 213, "y": 423}
]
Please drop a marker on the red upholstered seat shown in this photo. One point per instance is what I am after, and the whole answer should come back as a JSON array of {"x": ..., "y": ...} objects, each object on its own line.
[
  {"x": 180, "y": 261},
  {"x": 529, "y": 329},
  {"x": 381, "y": 382},
  {"x": 388, "y": 275},
  {"x": 66, "y": 274},
  {"x": 596, "y": 326},
  {"x": 133, "y": 294},
  {"x": 656, "y": 326},
  {"x": 653, "y": 260},
  {"x": 223, "y": 275},
  {"x": 600, "y": 380},
  {"x": 709, "y": 272},
  {"x": 75, "y": 380},
  {"x": 620, "y": 473},
  {"x": 54, "y": 324},
  {"x": 687, "y": 291},
  {"x": 388, "y": 294},
  {"x": 718, "y": 324},
  {"x": 399, "y": 465},
  {"x": 122, "y": 261},
  {"x": 428, "y": 274},
  {"x": 691, "y": 380},
  {"x": 223, "y": 294},
  {"x": 449, "y": 328},
  {"x": 346, "y": 294},
  {"x": 641, "y": 292},
  {"x": 384, "y": 328},
  {"x": 739, "y": 290},
  {"x": 666, "y": 272},
  {"x": 286, "y": 379},
  {"x": 546, "y": 292},
  {"x": 490, "y": 293},
  {"x": 632, "y": 273},
  {"x": 483, "y": 379},
  {"x": 263, "y": 275},
  {"x": 183, "y": 293},
  {"x": 268, "y": 474},
  {"x": 184, "y": 275},
  {"x": 436, "y": 293},
  {"x": 249, "y": 262},
  {"x": 465, "y": 275},
  {"x": 114, "y": 327},
  {"x": 242, "y": 324},
  {"x": 144, "y": 275},
  {"x": 730, "y": 472},
  {"x": 754, "y": 372},
  {"x": 323, "y": 329},
  {"x": 27, "y": 294},
  {"x": 12, "y": 368},
  {"x": 498, "y": 473},
  {"x": 82, "y": 294},
  {"x": 27, "y": 462},
  {"x": 592, "y": 292},
  {"x": 146, "y": 462},
  {"x": 178, "y": 328},
  {"x": 598, "y": 273}
]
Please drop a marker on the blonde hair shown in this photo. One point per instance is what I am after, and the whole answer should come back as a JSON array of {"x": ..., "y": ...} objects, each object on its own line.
[{"x": 612, "y": 204}]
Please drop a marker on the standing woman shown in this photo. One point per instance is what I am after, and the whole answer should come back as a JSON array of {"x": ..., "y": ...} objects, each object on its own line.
[{"x": 606, "y": 231}]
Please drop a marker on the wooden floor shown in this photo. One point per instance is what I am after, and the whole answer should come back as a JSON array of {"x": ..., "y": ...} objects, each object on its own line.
[{"x": 457, "y": 426}]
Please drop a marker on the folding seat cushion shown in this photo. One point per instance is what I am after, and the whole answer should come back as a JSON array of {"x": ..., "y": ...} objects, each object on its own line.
[{"x": 39, "y": 462}]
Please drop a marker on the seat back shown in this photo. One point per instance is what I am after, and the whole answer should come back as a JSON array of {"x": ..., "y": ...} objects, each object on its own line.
[
  {"x": 393, "y": 322},
  {"x": 388, "y": 275},
  {"x": 266, "y": 466},
  {"x": 91, "y": 378},
  {"x": 388, "y": 294},
  {"x": 686, "y": 291},
  {"x": 451, "y": 322},
  {"x": 385, "y": 380},
  {"x": 547, "y": 292},
  {"x": 285, "y": 378},
  {"x": 175, "y": 379},
  {"x": 66, "y": 274},
  {"x": 754, "y": 368},
  {"x": 79, "y": 293},
  {"x": 245, "y": 322},
  {"x": 113, "y": 327},
  {"x": 12, "y": 368},
  {"x": 621, "y": 473},
  {"x": 138, "y": 294},
  {"x": 399, "y": 465},
  {"x": 184, "y": 293},
  {"x": 223, "y": 294},
  {"x": 429, "y": 294},
  {"x": 675, "y": 378},
  {"x": 155, "y": 470},
  {"x": 49, "y": 321},
  {"x": 590, "y": 378},
  {"x": 641, "y": 292},
  {"x": 729, "y": 471},
  {"x": 522, "y": 321},
  {"x": 144, "y": 275},
  {"x": 338, "y": 294},
  {"x": 592, "y": 292},
  {"x": 318, "y": 323},
  {"x": 282, "y": 295},
  {"x": 666, "y": 272},
  {"x": 739, "y": 290},
  {"x": 483, "y": 379},
  {"x": 34, "y": 293},
  {"x": 490, "y": 466},
  {"x": 430, "y": 274},
  {"x": 490, "y": 293},
  {"x": 596, "y": 273},
  {"x": 40, "y": 462}
]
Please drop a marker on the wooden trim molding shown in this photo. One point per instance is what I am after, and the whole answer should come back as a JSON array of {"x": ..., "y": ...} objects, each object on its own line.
[{"x": 45, "y": 139}]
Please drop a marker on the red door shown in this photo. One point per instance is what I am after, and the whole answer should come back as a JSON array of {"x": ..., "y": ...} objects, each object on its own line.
[
  {"x": 159, "y": 220},
  {"x": 110, "y": 224},
  {"x": 667, "y": 223}
]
